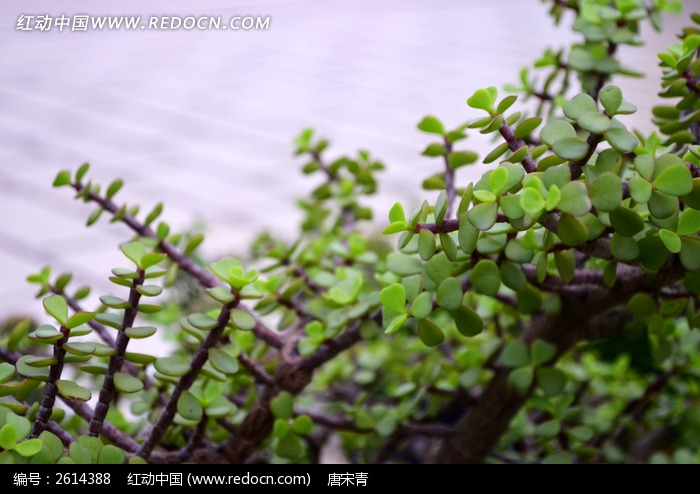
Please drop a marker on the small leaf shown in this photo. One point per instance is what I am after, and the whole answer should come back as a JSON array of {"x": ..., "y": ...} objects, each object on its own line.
[
  {"x": 431, "y": 125},
  {"x": 62, "y": 179},
  {"x": 467, "y": 235},
  {"x": 574, "y": 199},
  {"x": 127, "y": 383},
  {"x": 111, "y": 455},
  {"x": 422, "y": 305},
  {"x": 571, "y": 148},
  {"x": 670, "y": 240},
  {"x": 626, "y": 222},
  {"x": 521, "y": 379},
  {"x": 542, "y": 352},
  {"x": 482, "y": 99},
  {"x": 621, "y": 140},
  {"x": 606, "y": 192},
  {"x": 689, "y": 222},
  {"x": 172, "y": 366},
  {"x": 556, "y": 130},
  {"x": 243, "y": 320},
  {"x": 449, "y": 294},
  {"x": 396, "y": 213},
  {"x": 188, "y": 407},
  {"x": 79, "y": 319},
  {"x": 578, "y": 105},
  {"x": 514, "y": 354},
  {"x": 468, "y": 321},
  {"x": 611, "y": 99},
  {"x": 28, "y": 448},
  {"x": 73, "y": 391},
  {"x": 571, "y": 231},
  {"x": 134, "y": 251},
  {"x": 674, "y": 180},
  {"x": 222, "y": 361},
  {"x": 56, "y": 307},
  {"x": 483, "y": 216},
  {"x": 113, "y": 188},
  {"x": 526, "y": 127},
  {"x": 393, "y": 297},
  {"x": 430, "y": 333},
  {"x": 8, "y": 437},
  {"x": 396, "y": 324},
  {"x": 594, "y": 122},
  {"x": 426, "y": 244},
  {"x": 282, "y": 405},
  {"x": 486, "y": 277},
  {"x": 640, "y": 190}
]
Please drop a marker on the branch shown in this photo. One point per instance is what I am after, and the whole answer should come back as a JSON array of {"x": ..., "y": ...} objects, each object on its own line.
[
  {"x": 117, "y": 360},
  {"x": 41, "y": 421},
  {"x": 256, "y": 370},
  {"x": 186, "y": 381},
  {"x": 576, "y": 167},
  {"x": 205, "y": 278},
  {"x": 515, "y": 144},
  {"x": 449, "y": 179}
]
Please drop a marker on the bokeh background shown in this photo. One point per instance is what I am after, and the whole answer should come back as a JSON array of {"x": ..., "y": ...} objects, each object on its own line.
[{"x": 203, "y": 120}]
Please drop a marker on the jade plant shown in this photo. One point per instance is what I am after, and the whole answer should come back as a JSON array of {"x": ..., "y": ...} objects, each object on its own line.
[{"x": 543, "y": 313}]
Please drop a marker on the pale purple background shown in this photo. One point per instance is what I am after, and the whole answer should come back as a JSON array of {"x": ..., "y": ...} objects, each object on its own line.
[{"x": 204, "y": 120}]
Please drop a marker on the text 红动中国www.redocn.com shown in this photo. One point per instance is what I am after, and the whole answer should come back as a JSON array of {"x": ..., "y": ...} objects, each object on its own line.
[{"x": 86, "y": 23}]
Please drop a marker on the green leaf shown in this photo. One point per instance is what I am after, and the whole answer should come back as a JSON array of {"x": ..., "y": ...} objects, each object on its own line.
[
  {"x": 51, "y": 442},
  {"x": 73, "y": 391},
  {"x": 396, "y": 213},
  {"x": 403, "y": 265},
  {"x": 652, "y": 253},
  {"x": 574, "y": 199},
  {"x": 578, "y": 105},
  {"x": 111, "y": 455},
  {"x": 127, "y": 383},
  {"x": 611, "y": 99},
  {"x": 551, "y": 381},
  {"x": 189, "y": 407},
  {"x": 532, "y": 202},
  {"x": 674, "y": 180},
  {"x": 79, "y": 454},
  {"x": 28, "y": 448},
  {"x": 302, "y": 425},
  {"x": 134, "y": 251},
  {"x": 670, "y": 240},
  {"x": 422, "y": 306},
  {"x": 571, "y": 231},
  {"x": 153, "y": 215},
  {"x": 486, "y": 277},
  {"x": 690, "y": 253},
  {"x": 7, "y": 370},
  {"x": 594, "y": 122},
  {"x": 566, "y": 264},
  {"x": 571, "y": 148},
  {"x": 542, "y": 352},
  {"x": 606, "y": 192},
  {"x": 222, "y": 267},
  {"x": 640, "y": 190},
  {"x": 282, "y": 405},
  {"x": 521, "y": 379},
  {"x": 62, "y": 179},
  {"x": 457, "y": 159},
  {"x": 449, "y": 294},
  {"x": 430, "y": 333},
  {"x": 506, "y": 103},
  {"x": 8, "y": 437},
  {"x": 468, "y": 321},
  {"x": 426, "y": 244},
  {"x": 80, "y": 173},
  {"x": 431, "y": 125},
  {"x": 557, "y": 130},
  {"x": 243, "y": 320},
  {"x": 393, "y": 297},
  {"x": 56, "y": 307},
  {"x": 626, "y": 222},
  {"x": 483, "y": 216},
  {"x": 222, "y": 361},
  {"x": 526, "y": 127},
  {"x": 621, "y": 140},
  {"x": 689, "y": 222},
  {"x": 79, "y": 319},
  {"x": 468, "y": 235},
  {"x": 172, "y": 366},
  {"x": 514, "y": 354},
  {"x": 396, "y": 323},
  {"x": 624, "y": 248},
  {"x": 483, "y": 99},
  {"x": 113, "y": 188}
]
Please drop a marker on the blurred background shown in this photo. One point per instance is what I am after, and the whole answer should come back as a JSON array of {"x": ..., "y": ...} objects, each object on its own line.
[{"x": 203, "y": 120}]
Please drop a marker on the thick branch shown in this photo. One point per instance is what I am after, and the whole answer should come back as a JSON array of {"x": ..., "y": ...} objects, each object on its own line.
[
  {"x": 117, "y": 360},
  {"x": 186, "y": 381},
  {"x": 477, "y": 432},
  {"x": 515, "y": 144},
  {"x": 41, "y": 421}
]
